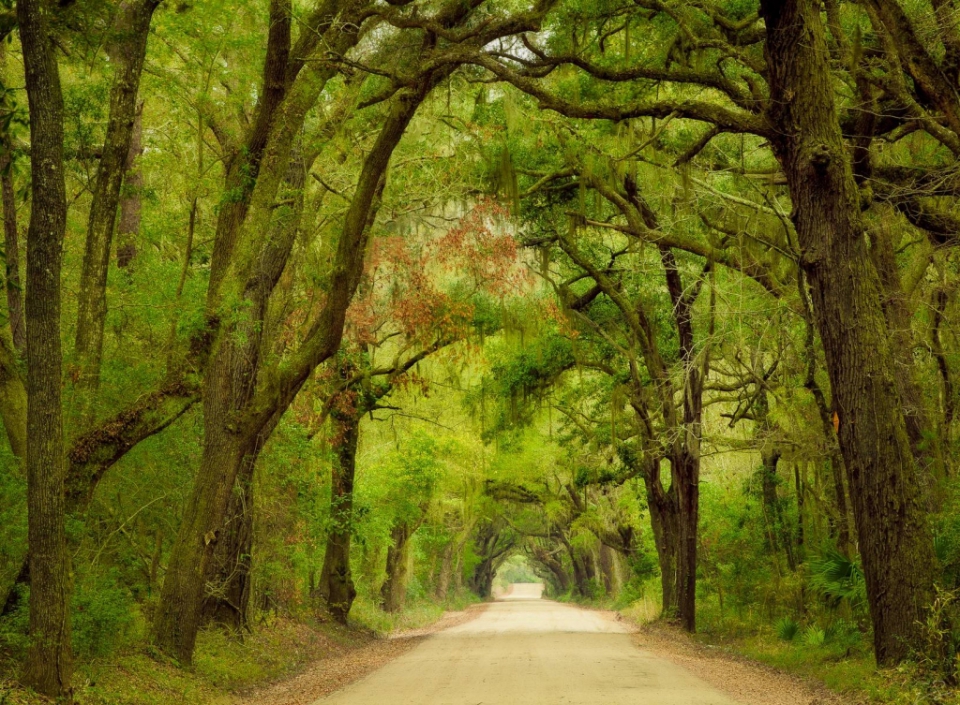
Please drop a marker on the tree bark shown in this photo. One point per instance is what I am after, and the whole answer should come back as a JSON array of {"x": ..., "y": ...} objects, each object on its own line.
[
  {"x": 227, "y": 600},
  {"x": 446, "y": 571},
  {"x": 685, "y": 452},
  {"x": 49, "y": 664},
  {"x": 664, "y": 522},
  {"x": 129, "y": 49},
  {"x": 394, "y": 591},
  {"x": 608, "y": 569},
  {"x": 243, "y": 167},
  {"x": 336, "y": 580},
  {"x": 11, "y": 240},
  {"x": 888, "y": 498},
  {"x": 925, "y": 439},
  {"x": 131, "y": 201},
  {"x": 229, "y": 447},
  {"x": 686, "y": 475}
]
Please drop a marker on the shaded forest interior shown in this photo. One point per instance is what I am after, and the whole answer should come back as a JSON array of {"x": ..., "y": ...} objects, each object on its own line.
[{"x": 327, "y": 310}]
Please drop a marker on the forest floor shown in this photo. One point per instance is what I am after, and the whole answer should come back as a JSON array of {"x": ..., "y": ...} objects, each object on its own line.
[
  {"x": 743, "y": 679},
  {"x": 517, "y": 649},
  {"x": 333, "y": 673},
  {"x": 757, "y": 668},
  {"x": 284, "y": 661}
]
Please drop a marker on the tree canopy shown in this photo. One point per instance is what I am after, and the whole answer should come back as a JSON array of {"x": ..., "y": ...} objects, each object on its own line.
[{"x": 319, "y": 306}]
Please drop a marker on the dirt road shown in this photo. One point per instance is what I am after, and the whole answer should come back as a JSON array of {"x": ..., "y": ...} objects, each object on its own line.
[{"x": 527, "y": 651}]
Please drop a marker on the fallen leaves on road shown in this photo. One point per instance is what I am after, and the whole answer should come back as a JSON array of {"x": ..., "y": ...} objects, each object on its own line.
[{"x": 336, "y": 671}]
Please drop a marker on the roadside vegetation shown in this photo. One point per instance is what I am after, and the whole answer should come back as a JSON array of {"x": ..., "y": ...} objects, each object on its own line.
[{"x": 326, "y": 313}]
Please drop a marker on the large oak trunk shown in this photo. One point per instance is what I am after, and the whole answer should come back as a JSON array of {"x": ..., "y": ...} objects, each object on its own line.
[
  {"x": 49, "y": 660},
  {"x": 227, "y": 598},
  {"x": 181, "y": 598},
  {"x": 131, "y": 201},
  {"x": 887, "y": 496}
]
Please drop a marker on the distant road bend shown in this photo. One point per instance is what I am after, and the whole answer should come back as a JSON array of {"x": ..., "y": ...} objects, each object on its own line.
[{"x": 527, "y": 651}]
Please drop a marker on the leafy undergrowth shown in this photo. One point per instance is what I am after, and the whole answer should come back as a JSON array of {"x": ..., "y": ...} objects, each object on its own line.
[
  {"x": 224, "y": 667},
  {"x": 836, "y": 656},
  {"x": 419, "y": 613},
  {"x": 853, "y": 674}
]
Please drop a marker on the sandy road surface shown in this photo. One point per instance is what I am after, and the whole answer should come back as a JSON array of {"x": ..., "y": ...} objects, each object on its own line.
[{"x": 527, "y": 651}]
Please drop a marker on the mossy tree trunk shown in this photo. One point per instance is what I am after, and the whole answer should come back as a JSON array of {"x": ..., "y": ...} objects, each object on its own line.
[
  {"x": 888, "y": 499},
  {"x": 49, "y": 663},
  {"x": 336, "y": 579},
  {"x": 128, "y": 50},
  {"x": 662, "y": 504},
  {"x": 393, "y": 594},
  {"x": 227, "y": 600},
  {"x": 131, "y": 198}
]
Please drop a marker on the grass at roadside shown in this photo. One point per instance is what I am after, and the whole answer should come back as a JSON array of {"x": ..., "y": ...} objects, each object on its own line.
[
  {"x": 226, "y": 667},
  {"x": 418, "y": 613},
  {"x": 838, "y": 659},
  {"x": 843, "y": 670}
]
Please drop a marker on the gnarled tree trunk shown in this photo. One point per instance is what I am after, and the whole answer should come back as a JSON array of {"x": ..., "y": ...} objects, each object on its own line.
[
  {"x": 446, "y": 571},
  {"x": 887, "y": 495},
  {"x": 229, "y": 447},
  {"x": 666, "y": 536},
  {"x": 227, "y": 600},
  {"x": 686, "y": 476}
]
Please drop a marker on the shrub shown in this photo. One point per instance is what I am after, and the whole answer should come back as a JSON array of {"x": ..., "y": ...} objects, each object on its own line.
[
  {"x": 840, "y": 579},
  {"x": 937, "y": 656},
  {"x": 787, "y": 629},
  {"x": 814, "y": 636},
  {"x": 14, "y": 627},
  {"x": 103, "y": 615}
]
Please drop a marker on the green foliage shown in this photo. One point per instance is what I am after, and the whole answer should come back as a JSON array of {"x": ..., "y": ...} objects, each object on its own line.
[
  {"x": 14, "y": 627},
  {"x": 937, "y": 657},
  {"x": 787, "y": 628},
  {"x": 840, "y": 579},
  {"x": 814, "y": 636},
  {"x": 516, "y": 569},
  {"x": 104, "y": 614},
  {"x": 549, "y": 385}
]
